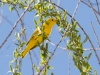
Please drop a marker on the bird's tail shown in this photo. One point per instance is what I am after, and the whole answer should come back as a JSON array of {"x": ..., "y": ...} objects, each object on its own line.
[{"x": 24, "y": 52}]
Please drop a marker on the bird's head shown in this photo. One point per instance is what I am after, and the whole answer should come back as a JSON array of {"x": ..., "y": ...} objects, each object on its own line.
[{"x": 51, "y": 21}]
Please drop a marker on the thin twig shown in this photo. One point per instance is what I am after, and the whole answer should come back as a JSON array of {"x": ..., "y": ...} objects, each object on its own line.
[
  {"x": 35, "y": 56},
  {"x": 9, "y": 22},
  {"x": 16, "y": 24},
  {"x": 75, "y": 9},
  {"x": 85, "y": 49},
  {"x": 61, "y": 40},
  {"x": 68, "y": 63},
  {"x": 90, "y": 43},
  {"x": 31, "y": 62},
  {"x": 97, "y": 5},
  {"x": 90, "y": 7},
  {"x": 56, "y": 45},
  {"x": 95, "y": 35},
  {"x": 1, "y": 12},
  {"x": 50, "y": 57},
  {"x": 22, "y": 24},
  {"x": 54, "y": 50},
  {"x": 58, "y": 3},
  {"x": 84, "y": 33},
  {"x": 94, "y": 12}
]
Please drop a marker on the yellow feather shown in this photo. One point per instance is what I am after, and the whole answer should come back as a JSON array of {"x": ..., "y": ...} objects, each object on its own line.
[{"x": 38, "y": 36}]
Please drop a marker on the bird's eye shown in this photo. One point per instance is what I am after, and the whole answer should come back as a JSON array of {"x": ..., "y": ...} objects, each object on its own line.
[{"x": 52, "y": 19}]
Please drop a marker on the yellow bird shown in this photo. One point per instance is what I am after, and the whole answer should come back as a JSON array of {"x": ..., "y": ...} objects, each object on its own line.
[{"x": 38, "y": 36}]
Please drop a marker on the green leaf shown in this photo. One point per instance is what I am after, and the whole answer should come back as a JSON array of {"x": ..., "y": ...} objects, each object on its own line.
[
  {"x": 15, "y": 53},
  {"x": 60, "y": 28},
  {"x": 35, "y": 68},
  {"x": 19, "y": 73},
  {"x": 65, "y": 15},
  {"x": 95, "y": 72},
  {"x": 88, "y": 57},
  {"x": 46, "y": 46},
  {"x": 22, "y": 44},
  {"x": 16, "y": 44},
  {"x": 10, "y": 8},
  {"x": 52, "y": 73},
  {"x": 36, "y": 24},
  {"x": 85, "y": 40},
  {"x": 51, "y": 67},
  {"x": 11, "y": 68}
]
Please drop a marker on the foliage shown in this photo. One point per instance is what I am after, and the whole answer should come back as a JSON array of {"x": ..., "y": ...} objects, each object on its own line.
[{"x": 43, "y": 10}]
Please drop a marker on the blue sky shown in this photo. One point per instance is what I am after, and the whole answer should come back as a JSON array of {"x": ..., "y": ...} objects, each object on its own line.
[{"x": 60, "y": 60}]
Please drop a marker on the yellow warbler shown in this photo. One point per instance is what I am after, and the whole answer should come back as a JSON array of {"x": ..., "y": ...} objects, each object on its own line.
[{"x": 38, "y": 36}]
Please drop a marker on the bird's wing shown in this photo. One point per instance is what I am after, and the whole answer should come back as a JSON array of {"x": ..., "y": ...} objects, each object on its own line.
[{"x": 35, "y": 33}]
